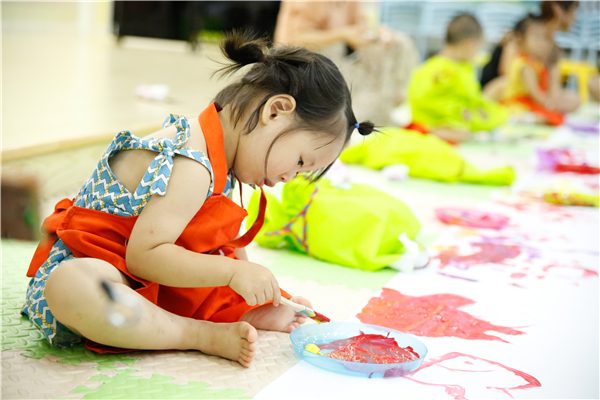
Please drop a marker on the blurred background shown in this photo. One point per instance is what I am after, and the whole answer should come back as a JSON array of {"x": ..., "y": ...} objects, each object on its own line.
[{"x": 76, "y": 73}]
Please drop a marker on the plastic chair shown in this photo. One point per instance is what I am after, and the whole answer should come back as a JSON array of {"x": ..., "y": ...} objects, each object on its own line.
[
  {"x": 582, "y": 71},
  {"x": 401, "y": 16},
  {"x": 499, "y": 18},
  {"x": 574, "y": 38},
  {"x": 592, "y": 34}
]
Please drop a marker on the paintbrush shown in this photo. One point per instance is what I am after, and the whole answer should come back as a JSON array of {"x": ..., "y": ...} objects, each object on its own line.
[{"x": 303, "y": 310}]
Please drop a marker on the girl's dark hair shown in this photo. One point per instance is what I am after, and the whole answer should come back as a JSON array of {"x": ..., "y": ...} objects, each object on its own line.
[
  {"x": 547, "y": 13},
  {"x": 521, "y": 27},
  {"x": 323, "y": 101}
]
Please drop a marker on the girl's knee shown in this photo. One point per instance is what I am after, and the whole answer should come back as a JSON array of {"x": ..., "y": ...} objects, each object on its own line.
[{"x": 66, "y": 279}]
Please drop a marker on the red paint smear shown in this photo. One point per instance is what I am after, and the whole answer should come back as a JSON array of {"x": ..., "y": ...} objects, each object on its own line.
[
  {"x": 370, "y": 348},
  {"x": 320, "y": 317},
  {"x": 433, "y": 316},
  {"x": 488, "y": 253},
  {"x": 457, "y": 391},
  {"x": 518, "y": 275}
]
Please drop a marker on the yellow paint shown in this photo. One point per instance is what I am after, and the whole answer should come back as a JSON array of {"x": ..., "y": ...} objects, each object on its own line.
[{"x": 313, "y": 348}]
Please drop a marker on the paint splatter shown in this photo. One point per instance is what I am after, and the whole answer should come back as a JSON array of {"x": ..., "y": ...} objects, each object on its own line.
[
  {"x": 485, "y": 253},
  {"x": 518, "y": 275},
  {"x": 433, "y": 316},
  {"x": 487, "y": 373},
  {"x": 370, "y": 348}
]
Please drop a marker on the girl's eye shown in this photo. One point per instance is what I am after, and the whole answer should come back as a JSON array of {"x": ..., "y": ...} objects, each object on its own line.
[{"x": 301, "y": 162}]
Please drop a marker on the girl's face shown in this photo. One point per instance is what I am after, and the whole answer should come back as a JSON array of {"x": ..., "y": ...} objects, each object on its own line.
[
  {"x": 293, "y": 153},
  {"x": 536, "y": 43}
]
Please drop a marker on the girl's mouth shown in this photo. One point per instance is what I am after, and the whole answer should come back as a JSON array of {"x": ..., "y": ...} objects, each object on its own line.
[{"x": 265, "y": 181}]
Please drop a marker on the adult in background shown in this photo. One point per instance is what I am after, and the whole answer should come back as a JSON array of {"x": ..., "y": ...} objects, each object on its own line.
[
  {"x": 556, "y": 16},
  {"x": 377, "y": 63}
]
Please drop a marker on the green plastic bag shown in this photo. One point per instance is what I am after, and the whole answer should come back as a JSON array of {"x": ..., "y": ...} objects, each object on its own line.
[
  {"x": 427, "y": 157},
  {"x": 442, "y": 91},
  {"x": 357, "y": 227}
]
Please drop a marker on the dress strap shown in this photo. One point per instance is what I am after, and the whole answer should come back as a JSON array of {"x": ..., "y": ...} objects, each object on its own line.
[
  {"x": 156, "y": 179},
  {"x": 213, "y": 134}
]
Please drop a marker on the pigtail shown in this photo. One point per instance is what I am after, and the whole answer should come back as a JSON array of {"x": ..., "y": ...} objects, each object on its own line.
[
  {"x": 241, "y": 48},
  {"x": 365, "y": 128}
]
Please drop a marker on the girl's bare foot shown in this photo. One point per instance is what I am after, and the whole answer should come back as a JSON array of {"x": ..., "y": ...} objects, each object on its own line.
[
  {"x": 235, "y": 341},
  {"x": 281, "y": 318}
]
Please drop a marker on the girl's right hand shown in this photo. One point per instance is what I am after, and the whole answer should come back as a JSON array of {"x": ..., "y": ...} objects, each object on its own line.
[{"x": 255, "y": 283}]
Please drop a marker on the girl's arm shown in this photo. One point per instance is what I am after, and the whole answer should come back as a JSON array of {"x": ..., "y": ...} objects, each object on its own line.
[
  {"x": 509, "y": 52},
  {"x": 152, "y": 254},
  {"x": 554, "y": 84},
  {"x": 530, "y": 80}
]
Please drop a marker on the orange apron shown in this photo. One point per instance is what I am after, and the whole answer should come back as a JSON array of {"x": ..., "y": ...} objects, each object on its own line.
[{"x": 96, "y": 234}]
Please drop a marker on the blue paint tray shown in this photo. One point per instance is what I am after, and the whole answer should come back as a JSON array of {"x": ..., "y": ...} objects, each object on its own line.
[{"x": 332, "y": 331}]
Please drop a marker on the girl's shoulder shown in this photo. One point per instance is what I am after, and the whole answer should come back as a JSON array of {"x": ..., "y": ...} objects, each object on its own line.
[{"x": 130, "y": 167}]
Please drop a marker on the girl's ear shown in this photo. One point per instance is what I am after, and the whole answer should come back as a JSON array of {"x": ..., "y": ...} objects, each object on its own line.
[{"x": 278, "y": 106}]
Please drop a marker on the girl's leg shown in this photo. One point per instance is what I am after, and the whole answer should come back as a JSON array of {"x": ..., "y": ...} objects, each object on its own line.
[{"x": 76, "y": 299}]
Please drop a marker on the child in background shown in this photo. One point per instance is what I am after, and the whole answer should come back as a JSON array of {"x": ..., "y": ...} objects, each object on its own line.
[
  {"x": 444, "y": 93},
  {"x": 528, "y": 74},
  {"x": 175, "y": 252}
]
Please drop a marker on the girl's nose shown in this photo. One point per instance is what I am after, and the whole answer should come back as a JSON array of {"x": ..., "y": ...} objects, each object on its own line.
[{"x": 288, "y": 177}]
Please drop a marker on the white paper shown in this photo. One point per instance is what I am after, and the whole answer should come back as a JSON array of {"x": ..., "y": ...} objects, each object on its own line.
[{"x": 558, "y": 314}]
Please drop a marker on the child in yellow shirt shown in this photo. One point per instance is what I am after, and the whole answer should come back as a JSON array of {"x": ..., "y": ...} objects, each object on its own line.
[
  {"x": 445, "y": 95},
  {"x": 528, "y": 74}
]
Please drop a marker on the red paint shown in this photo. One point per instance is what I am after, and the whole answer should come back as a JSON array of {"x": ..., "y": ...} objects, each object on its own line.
[
  {"x": 371, "y": 349},
  {"x": 587, "y": 273},
  {"x": 488, "y": 253},
  {"x": 579, "y": 169},
  {"x": 433, "y": 316},
  {"x": 518, "y": 275},
  {"x": 320, "y": 317},
  {"x": 457, "y": 391}
]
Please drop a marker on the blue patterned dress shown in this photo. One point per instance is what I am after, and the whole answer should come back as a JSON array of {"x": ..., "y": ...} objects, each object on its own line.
[{"x": 104, "y": 192}]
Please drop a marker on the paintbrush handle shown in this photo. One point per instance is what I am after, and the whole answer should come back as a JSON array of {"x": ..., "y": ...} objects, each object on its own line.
[{"x": 294, "y": 306}]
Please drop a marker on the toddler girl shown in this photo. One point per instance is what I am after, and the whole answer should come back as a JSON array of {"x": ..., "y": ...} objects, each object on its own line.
[
  {"x": 529, "y": 73},
  {"x": 154, "y": 222}
]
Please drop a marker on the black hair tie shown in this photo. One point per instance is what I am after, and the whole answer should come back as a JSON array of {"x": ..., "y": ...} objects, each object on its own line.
[{"x": 365, "y": 128}]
